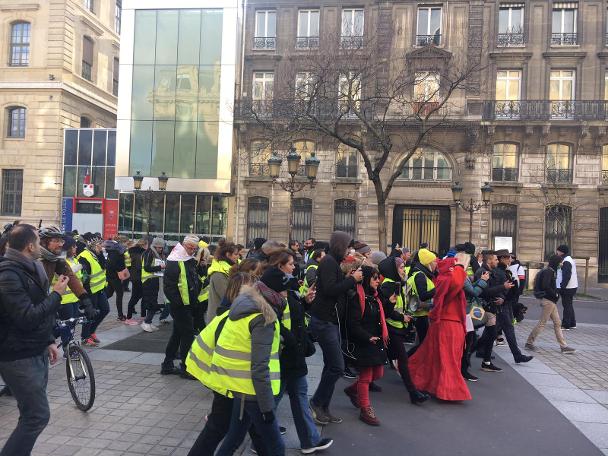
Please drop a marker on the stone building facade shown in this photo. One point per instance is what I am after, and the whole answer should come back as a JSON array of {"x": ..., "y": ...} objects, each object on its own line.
[
  {"x": 58, "y": 69},
  {"x": 531, "y": 122}
]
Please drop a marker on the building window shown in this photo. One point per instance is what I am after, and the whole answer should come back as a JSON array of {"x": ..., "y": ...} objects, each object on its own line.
[
  {"x": 429, "y": 26},
  {"x": 346, "y": 161},
  {"x": 305, "y": 85},
  {"x": 265, "y": 30},
  {"x": 508, "y": 94},
  {"x": 257, "y": 219},
  {"x": 561, "y": 94},
  {"x": 20, "y": 44},
  {"x": 259, "y": 154},
  {"x": 345, "y": 216},
  {"x": 16, "y": 122},
  {"x": 12, "y": 190},
  {"x": 564, "y": 32},
  {"x": 352, "y": 28},
  {"x": 85, "y": 122},
  {"x": 87, "y": 58},
  {"x": 559, "y": 163},
  {"x": 349, "y": 93},
  {"x": 504, "y": 224},
  {"x": 115, "y": 70},
  {"x": 511, "y": 25},
  {"x": 505, "y": 162},
  {"x": 426, "y": 93},
  {"x": 263, "y": 88},
  {"x": 117, "y": 16},
  {"x": 308, "y": 29},
  {"x": 605, "y": 164},
  {"x": 89, "y": 5},
  {"x": 427, "y": 164},
  {"x": 558, "y": 221},
  {"x": 301, "y": 213}
]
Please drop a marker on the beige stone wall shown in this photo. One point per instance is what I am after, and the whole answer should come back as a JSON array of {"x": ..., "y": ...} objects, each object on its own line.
[{"x": 53, "y": 92}]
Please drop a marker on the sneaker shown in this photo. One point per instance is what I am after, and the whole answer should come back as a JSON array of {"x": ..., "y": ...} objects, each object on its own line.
[
  {"x": 352, "y": 395},
  {"x": 349, "y": 374},
  {"x": 148, "y": 327},
  {"x": 186, "y": 375},
  {"x": 489, "y": 367},
  {"x": 568, "y": 350},
  {"x": 323, "y": 444},
  {"x": 368, "y": 416},
  {"x": 282, "y": 430},
  {"x": 375, "y": 388},
  {"x": 89, "y": 342},
  {"x": 318, "y": 414},
  {"x": 131, "y": 322},
  {"x": 573, "y": 327},
  {"x": 469, "y": 377},
  {"x": 500, "y": 341},
  {"x": 523, "y": 359},
  {"x": 169, "y": 370},
  {"x": 333, "y": 419},
  {"x": 565, "y": 329},
  {"x": 94, "y": 337},
  {"x": 531, "y": 347}
]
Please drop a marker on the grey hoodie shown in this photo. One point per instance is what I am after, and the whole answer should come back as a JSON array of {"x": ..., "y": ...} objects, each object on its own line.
[{"x": 262, "y": 327}]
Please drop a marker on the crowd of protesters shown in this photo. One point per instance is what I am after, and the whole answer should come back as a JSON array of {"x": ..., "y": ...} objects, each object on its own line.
[{"x": 244, "y": 327}]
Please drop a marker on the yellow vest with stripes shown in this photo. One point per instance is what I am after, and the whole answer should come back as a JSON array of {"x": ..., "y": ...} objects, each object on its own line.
[
  {"x": 182, "y": 284},
  {"x": 304, "y": 287},
  {"x": 412, "y": 284},
  {"x": 198, "y": 361},
  {"x": 219, "y": 266},
  {"x": 204, "y": 294},
  {"x": 231, "y": 360},
  {"x": 127, "y": 256},
  {"x": 145, "y": 275},
  {"x": 399, "y": 307},
  {"x": 286, "y": 319},
  {"x": 97, "y": 279},
  {"x": 68, "y": 296}
]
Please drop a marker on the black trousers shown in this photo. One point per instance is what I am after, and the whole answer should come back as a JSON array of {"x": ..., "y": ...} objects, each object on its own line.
[
  {"x": 567, "y": 295},
  {"x": 465, "y": 363},
  {"x": 115, "y": 286},
  {"x": 182, "y": 336},
  {"x": 136, "y": 295},
  {"x": 149, "y": 300},
  {"x": 422, "y": 327},
  {"x": 396, "y": 350},
  {"x": 485, "y": 344},
  {"x": 504, "y": 323}
]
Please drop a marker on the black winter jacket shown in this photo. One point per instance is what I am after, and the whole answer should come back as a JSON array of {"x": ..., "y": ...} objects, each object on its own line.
[
  {"x": 495, "y": 288},
  {"x": 171, "y": 279},
  {"x": 148, "y": 258},
  {"x": 296, "y": 340},
  {"x": 545, "y": 285},
  {"x": 363, "y": 327},
  {"x": 27, "y": 311},
  {"x": 388, "y": 269},
  {"x": 115, "y": 264},
  {"x": 420, "y": 281},
  {"x": 136, "y": 253},
  {"x": 331, "y": 290}
]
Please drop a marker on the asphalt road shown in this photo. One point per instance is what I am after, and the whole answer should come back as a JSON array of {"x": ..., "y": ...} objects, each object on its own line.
[{"x": 586, "y": 311}]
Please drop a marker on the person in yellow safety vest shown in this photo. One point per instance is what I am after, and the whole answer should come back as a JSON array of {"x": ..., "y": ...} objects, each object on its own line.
[
  {"x": 397, "y": 320},
  {"x": 246, "y": 363},
  {"x": 310, "y": 273},
  {"x": 203, "y": 297},
  {"x": 152, "y": 263},
  {"x": 420, "y": 282},
  {"x": 226, "y": 255},
  {"x": 94, "y": 279},
  {"x": 406, "y": 256},
  {"x": 128, "y": 243},
  {"x": 182, "y": 286}
]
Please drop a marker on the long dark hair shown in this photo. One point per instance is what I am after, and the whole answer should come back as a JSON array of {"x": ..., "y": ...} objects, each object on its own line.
[{"x": 225, "y": 248}]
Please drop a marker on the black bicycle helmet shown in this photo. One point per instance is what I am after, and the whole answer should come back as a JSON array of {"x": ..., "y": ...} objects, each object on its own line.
[{"x": 50, "y": 232}]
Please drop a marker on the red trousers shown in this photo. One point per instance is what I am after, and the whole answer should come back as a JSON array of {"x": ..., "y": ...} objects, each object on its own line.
[{"x": 366, "y": 376}]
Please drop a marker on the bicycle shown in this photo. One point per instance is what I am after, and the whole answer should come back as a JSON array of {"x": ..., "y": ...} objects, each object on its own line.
[{"x": 78, "y": 367}]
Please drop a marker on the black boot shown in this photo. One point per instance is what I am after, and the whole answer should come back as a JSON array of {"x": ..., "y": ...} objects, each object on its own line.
[
  {"x": 418, "y": 397},
  {"x": 5, "y": 391}
]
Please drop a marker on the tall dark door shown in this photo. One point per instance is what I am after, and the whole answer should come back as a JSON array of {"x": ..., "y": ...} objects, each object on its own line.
[
  {"x": 602, "y": 270},
  {"x": 414, "y": 225}
]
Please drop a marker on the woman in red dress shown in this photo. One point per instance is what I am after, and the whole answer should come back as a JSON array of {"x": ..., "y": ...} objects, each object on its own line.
[{"x": 435, "y": 367}]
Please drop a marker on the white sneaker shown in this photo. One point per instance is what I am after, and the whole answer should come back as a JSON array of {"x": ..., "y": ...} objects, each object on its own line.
[{"x": 148, "y": 327}]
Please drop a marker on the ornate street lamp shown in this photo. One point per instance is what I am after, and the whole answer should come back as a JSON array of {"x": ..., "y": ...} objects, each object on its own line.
[
  {"x": 162, "y": 181},
  {"x": 137, "y": 180},
  {"x": 472, "y": 206}
]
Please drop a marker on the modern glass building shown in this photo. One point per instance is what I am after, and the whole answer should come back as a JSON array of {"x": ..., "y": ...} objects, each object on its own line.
[{"x": 175, "y": 115}]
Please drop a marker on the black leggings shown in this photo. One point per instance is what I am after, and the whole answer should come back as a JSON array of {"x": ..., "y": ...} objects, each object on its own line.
[
  {"x": 422, "y": 327},
  {"x": 115, "y": 286},
  {"x": 468, "y": 349},
  {"x": 396, "y": 350},
  {"x": 136, "y": 295}
]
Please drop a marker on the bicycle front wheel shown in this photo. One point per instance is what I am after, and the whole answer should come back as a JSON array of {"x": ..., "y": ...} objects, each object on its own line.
[{"x": 81, "y": 379}]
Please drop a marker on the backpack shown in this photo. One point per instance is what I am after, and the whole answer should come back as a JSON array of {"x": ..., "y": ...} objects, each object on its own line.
[{"x": 538, "y": 293}]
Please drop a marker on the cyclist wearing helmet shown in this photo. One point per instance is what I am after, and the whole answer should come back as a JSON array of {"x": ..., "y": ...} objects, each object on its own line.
[
  {"x": 54, "y": 262},
  {"x": 94, "y": 279}
]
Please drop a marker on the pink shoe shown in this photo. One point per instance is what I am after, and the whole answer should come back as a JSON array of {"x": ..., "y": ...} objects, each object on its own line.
[{"x": 131, "y": 322}]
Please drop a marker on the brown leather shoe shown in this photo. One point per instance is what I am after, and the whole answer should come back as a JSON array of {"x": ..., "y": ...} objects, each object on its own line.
[
  {"x": 368, "y": 416},
  {"x": 352, "y": 395}
]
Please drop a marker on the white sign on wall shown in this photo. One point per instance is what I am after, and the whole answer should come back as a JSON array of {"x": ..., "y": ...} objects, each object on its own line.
[{"x": 503, "y": 242}]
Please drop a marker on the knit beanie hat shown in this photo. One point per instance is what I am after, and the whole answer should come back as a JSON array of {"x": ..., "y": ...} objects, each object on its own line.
[
  {"x": 158, "y": 242},
  {"x": 377, "y": 256},
  {"x": 275, "y": 279},
  {"x": 426, "y": 257}
]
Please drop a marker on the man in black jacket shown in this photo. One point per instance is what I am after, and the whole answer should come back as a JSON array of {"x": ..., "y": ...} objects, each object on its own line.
[
  {"x": 182, "y": 286},
  {"x": 326, "y": 311},
  {"x": 27, "y": 317},
  {"x": 545, "y": 289}
]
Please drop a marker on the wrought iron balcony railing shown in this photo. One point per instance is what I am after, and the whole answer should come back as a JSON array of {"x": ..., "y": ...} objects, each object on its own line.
[
  {"x": 425, "y": 40},
  {"x": 510, "y": 40},
  {"x": 559, "y": 176},
  {"x": 564, "y": 39},
  {"x": 351, "y": 41},
  {"x": 259, "y": 169},
  {"x": 545, "y": 110},
  {"x": 265, "y": 42},
  {"x": 505, "y": 174},
  {"x": 604, "y": 177},
  {"x": 307, "y": 42}
]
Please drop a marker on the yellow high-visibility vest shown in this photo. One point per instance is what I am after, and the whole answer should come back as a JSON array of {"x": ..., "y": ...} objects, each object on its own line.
[
  {"x": 399, "y": 307},
  {"x": 304, "y": 288},
  {"x": 127, "y": 256},
  {"x": 68, "y": 296},
  {"x": 97, "y": 279},
  {"x": 411, "y": 282}
]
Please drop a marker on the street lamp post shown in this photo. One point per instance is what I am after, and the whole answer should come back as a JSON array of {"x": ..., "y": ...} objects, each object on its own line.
[
  {"x": 472, "y": 206},
  {"x": 138, "y": 179},
  {"x": 291, "y": 185}
]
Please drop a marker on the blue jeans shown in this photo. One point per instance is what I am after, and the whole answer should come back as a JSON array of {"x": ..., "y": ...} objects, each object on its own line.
[
  {"x": 100, "y": 302},
  {"x": 251, "y": 415},
  {"x": 328, "y": 336},
  {"x": 297, "y": 389},
  {"x": 27, "y": 379}
]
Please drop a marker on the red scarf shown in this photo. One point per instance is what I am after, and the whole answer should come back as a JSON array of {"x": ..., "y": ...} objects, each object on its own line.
[{"x": 361, "y": 293}]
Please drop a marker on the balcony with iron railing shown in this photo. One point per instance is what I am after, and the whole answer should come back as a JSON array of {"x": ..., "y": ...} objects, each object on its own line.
[
  {"x": 564, "y": 39},
  {"x": 559, "y": 176},
  {"x": 351, "y": 41},
  {"x": 268, "y": 43},
  {"x": 505, "y": 174},
  {"x": 573, "y": 110},
  {"x": 259, "y": 169},
  {"x": 425, "y": 40},
  {"x": 604, "y": 177},
  {"x": 307, "y": 42},
  {"x": 510, "y": 40}
]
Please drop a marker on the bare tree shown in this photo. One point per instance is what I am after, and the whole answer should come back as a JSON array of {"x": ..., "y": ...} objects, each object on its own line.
[{"x": 384, "y": 107}]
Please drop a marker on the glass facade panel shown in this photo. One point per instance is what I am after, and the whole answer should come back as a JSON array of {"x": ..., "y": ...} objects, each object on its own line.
[
  {"x": 164, "y": 92},
  {"x": 218, "y": 215},
  {"x": 163, "y": 140},
  {"x": 189, "y": 37},
  {"x": 187, "y": 216},
  {"x": 141, "y": 147},
  {"x": 142, "y": 102},
  {"x": 69, "y": 181},
  {"x": 71, "y": 147},
  {"x": 206, "y": 150},
  {"x": 166, "y": 37},
  {"x": 172, "y": 213},
  {"x": 203, "y": 214},
  {"x": 82, "y": 172},
  {"x": 211, "y": 37},
  {"x": 145, "y": 37},
  {"x": 111, "y": 192},
  {"x": 125, "y": 212},
  {"x": 84, "y": 147},
  {"x": 111, "y": 157},
  {"x": 99, "y": 148},
  {"x": 185, "y": 150}
]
